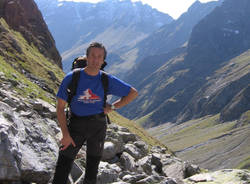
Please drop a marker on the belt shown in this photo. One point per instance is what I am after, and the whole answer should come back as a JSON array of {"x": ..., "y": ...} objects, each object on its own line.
[{"x": 95, "y": 116}]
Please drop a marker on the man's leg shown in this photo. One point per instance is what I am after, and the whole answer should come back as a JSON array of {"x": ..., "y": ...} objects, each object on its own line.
[
  {"x": 91, "y": 169},
  {"x": 94, "y": 151},
  {"x": 63, "y": 168},
  {"x": 65, "y": 160}
]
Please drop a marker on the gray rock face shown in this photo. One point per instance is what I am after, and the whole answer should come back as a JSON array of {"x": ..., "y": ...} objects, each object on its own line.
[
  {"x": 29, "y": 137},
  {"x": 28, "y": 145}
]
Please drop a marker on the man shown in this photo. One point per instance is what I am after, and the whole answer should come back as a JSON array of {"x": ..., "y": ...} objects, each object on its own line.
[{"x": 88, "y": 121}]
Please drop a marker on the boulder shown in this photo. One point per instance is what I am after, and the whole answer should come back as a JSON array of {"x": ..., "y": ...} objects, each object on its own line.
[
  {"x": 234, "y": 176},
  {"x": 29, "y": 148}
]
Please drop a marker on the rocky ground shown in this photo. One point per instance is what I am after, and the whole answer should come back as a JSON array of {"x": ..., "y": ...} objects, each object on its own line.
[{"x": 29, "y": 146}]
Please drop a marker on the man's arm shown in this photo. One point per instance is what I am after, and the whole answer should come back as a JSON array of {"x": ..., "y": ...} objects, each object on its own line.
[
  {"x": 61, "y": 117},
  {"x": 122, "y": 101}
]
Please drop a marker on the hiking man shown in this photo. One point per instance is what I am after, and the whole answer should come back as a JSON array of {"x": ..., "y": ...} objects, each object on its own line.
[{"x": 88, "y": 115}]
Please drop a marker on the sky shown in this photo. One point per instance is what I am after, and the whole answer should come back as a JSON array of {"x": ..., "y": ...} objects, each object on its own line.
[{"x": 172, "y": 7}]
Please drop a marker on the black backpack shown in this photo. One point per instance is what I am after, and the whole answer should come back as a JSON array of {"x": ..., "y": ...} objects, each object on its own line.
[{"x": 77, "y": 64}]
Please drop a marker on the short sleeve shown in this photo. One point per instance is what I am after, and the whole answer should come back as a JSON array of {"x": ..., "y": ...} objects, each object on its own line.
[
  {"x": 118, "y": 87},
  {"x": 62, "y": 91}
]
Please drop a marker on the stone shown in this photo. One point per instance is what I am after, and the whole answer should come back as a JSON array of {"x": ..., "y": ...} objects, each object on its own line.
[
  {"x": 109, "y": 151},
  {"x": 175, "y": 170},
  {"x": 145, "y": 164},
  {"x": 126, "y": 136},
  {"x": 133, "y": 151},
  {"x": 127, "y": 162},
  {"x": 30, "y": 147}
]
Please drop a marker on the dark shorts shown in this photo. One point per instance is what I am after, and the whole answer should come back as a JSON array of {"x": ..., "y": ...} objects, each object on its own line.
[{"x": 89, "y": 130}]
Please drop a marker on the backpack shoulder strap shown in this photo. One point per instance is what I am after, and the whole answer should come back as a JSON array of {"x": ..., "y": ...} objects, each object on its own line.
[
  {"x": 105, "y": 84},
  {"x": 73, "y": 84}
]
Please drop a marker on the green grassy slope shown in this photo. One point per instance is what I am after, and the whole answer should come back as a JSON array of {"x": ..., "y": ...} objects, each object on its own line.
[
  {"x": 136, "y": 129},
  {"x": 26, "y": 68},
  {"x": 209, "y": 143}
]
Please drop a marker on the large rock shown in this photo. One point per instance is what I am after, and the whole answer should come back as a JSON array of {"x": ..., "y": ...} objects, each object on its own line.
[
  {"x": 127, "y": 162},
  {"x": 133, "y": 151},
  {"x": 29, "y": 147},
  {"x": 234, "y": 176}
]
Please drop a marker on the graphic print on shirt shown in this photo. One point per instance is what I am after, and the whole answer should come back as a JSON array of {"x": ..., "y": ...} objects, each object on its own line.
[{"x": 89, "y": 97}]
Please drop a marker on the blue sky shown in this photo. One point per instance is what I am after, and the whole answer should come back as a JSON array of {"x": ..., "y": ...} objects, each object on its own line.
[{"x": 173, "y": 7}]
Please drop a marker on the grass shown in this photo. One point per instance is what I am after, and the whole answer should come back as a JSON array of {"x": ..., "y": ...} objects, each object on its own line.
[
  {"x": 208, "y": 142},
  {"x": 196, "y": 133},
  {"x": 245, "y": 164},
  {"x": 235, "y": 68},
  {"x": 25, "y": 88},
  {"x": 144, "y": 120},
  {"x": 245, "y": 118},
  {"x": 136, "y": 129},
  {"x": 36, "y": 63}
]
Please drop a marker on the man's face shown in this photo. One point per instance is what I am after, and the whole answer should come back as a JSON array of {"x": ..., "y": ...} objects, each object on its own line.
[{"x": 95, "y": 58}]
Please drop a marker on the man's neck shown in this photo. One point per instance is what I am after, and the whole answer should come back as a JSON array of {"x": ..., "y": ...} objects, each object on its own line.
[{"x": 91, "y": 72}]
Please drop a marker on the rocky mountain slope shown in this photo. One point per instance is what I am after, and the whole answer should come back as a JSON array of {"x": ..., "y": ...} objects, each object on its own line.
[
  {"x": 118, "y": 24},
  {"x": 200, "y": 79},
  {"x": 29, "y": 147},
  {"x": 200, "y": 95},
  {"x": 29, "y": 133},
  {"x": 192, "y": 81},
  {"x": 23, "y": 17},
  {"x": 207, "y": 142},
  {"x": 169, "y": 37}
]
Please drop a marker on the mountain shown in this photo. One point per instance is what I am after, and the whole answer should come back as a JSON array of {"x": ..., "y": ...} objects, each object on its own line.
[
  {"x": 30, "y": 73},
  {"x": 197, "y": 99},
  {"x": 28, "y": 47},
  {"x": 196, "y": 82},
  {"x": 167, "y": 38},
  {"x": 215, "y": 41},
  {"x": 29, "y": 133},
  {"x": 118, "y": 24},
  {"x": 31, "y": 25}
]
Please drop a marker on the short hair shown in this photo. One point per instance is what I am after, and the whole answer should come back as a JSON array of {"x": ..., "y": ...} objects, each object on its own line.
[{"x": 96, "y": 45}]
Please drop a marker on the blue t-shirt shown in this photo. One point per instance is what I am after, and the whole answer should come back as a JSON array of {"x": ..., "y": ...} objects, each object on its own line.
[{"x": 89, "y": 96}]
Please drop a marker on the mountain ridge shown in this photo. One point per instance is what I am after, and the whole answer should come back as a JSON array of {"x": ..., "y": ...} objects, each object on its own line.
[
  {"x": 104, "y": 21},
  {"x": 169, "y": 37},
  {"x": 188, "y": 74},
  {"x": 30, "y": 24}
]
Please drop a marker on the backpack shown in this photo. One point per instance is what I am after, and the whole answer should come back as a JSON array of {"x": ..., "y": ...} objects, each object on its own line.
[
  {"x": 77, "y": 64},
  {"x": 81, "y": 62}
]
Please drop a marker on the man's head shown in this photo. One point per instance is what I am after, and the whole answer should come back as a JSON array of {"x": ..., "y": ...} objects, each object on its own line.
[
  {"x": 97, "y": 45},
  {"x": 96, "y": 53}
]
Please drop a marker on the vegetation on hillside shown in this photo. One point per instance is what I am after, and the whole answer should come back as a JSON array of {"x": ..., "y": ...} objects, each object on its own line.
[
  {"x": 30, "y": 73},
  {"x": 212, "y": 142},
  {"x": 136, "y": 129}
]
